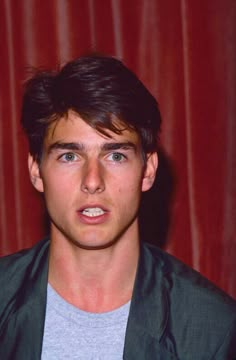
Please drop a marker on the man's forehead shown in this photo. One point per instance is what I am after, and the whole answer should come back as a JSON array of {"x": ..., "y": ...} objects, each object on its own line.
[{"x": 73, "y": 128}]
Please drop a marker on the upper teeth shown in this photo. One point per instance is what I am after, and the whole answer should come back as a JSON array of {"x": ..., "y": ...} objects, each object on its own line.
[{"x": 93, "y": 212}]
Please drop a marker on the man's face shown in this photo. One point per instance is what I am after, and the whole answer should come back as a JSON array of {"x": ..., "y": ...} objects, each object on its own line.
[{"x": 92, "y": 183}]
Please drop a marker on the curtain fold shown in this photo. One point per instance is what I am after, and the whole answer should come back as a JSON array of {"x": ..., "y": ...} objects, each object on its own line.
[{"x": 185, "y": 52}]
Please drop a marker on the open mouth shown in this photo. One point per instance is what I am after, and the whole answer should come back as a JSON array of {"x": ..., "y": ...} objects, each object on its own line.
[{"x": 93, "y": 212}]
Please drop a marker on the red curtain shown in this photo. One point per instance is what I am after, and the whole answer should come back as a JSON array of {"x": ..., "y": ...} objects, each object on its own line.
[{"x": 185, "y": 52}]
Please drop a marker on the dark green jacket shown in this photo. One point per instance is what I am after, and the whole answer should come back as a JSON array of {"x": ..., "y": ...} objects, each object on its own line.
[{"x": 174, "y": 314}]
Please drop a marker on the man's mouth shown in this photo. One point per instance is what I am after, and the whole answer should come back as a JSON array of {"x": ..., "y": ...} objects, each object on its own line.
[{"x": 92, "y": 212}]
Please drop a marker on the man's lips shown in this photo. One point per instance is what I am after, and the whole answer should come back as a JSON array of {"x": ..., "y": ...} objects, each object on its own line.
[{"x": 93, "y": 214}]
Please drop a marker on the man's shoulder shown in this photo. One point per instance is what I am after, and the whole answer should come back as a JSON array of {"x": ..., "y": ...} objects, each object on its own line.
[
  {"x": 187, "y": 288},
  {"x": 185, "y": 313},
  {"x": 14, "y": 265},
  {"x": 24, "y": 253},
  {"x": 199, "y": 317}
]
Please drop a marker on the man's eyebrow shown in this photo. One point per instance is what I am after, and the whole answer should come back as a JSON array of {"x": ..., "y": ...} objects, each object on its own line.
[
  {"x": 66, "y": 146},
  {"x": 119, "y": 145},
  {"x": 74, "y": 146}
]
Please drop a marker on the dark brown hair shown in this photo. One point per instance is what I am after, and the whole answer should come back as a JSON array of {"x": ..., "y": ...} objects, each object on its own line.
[{"x": 99, "y": 89}]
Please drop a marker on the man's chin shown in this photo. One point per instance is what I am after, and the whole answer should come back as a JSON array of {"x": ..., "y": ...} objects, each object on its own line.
[{"x": 94, "y": 244}]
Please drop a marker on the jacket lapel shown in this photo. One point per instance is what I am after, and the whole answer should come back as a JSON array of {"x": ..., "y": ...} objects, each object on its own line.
[
  {"x": 23, "y": 332},
  {"x": 147, "y": 329}
]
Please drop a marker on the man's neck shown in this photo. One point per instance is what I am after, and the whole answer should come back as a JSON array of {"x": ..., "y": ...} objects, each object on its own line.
[{"x": 94, "y": 280}]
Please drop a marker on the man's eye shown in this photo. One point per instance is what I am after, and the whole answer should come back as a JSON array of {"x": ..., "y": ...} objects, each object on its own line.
[
  {"x": 68, "y": 157},
  {"x": 117, "y": 157}
]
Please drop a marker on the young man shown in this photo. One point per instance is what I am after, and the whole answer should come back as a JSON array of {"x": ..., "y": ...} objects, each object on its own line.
[{"x": 93, "y": 290}]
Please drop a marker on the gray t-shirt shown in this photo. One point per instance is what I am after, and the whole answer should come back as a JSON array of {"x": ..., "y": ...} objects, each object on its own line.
[{"x": 71, "y": 333}]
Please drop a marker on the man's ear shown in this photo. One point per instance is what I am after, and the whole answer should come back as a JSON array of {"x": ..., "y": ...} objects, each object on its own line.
[
  {"x": 34, "y": 173},
  {"x": 150, "y": 171}
]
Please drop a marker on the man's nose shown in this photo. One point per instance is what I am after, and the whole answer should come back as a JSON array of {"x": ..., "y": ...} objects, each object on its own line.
[{"x": 93, "y": 177}]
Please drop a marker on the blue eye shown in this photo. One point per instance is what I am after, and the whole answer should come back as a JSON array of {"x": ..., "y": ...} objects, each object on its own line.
[
  {"x": 68, "y": 157},
  {"x": 117, "y": 157}
]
